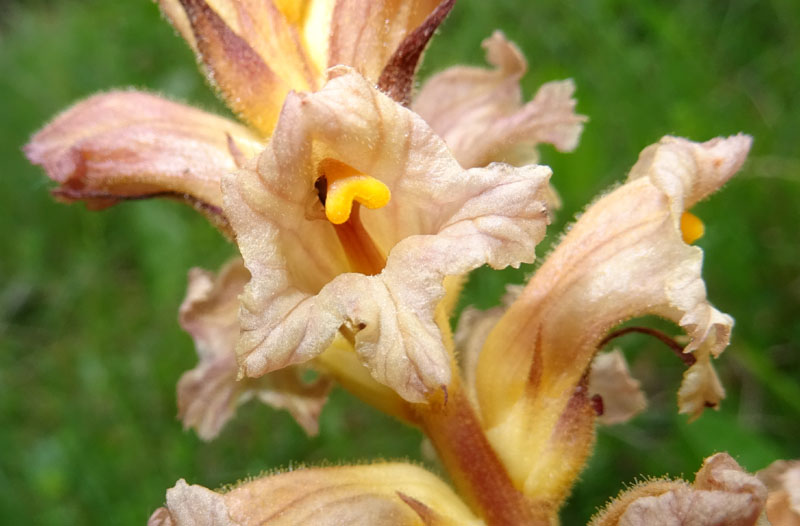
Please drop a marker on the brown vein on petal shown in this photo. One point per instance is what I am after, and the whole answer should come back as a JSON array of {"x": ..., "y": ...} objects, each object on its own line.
[
  {"x": 101, "y": 200},
  {"x": 397, "y": 77},
  {"x": 249, "y": 86}
]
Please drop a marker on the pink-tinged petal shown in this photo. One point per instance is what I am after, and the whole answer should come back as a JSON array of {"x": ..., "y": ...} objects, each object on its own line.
[
  {"x": 480, "y": 113},
  {"x": 624, "y": 257},
  {"x": 722, "y": 494},
  {"x": 782, "y": 479},
  {"x": 440, "y": 221},
  {"x": 365, "y": 34},
  {"x": 385, "y": 493},
  {"x": 209, "y": 394},
  {"x": 248, "y": 84},
  {"x": 131, "y": 145},
  {"x": 620, "y": 394}
]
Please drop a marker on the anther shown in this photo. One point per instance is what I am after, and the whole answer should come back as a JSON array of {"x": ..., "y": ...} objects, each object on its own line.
[
  {"x": 345, "y": 185},
  {"x": 692, "y": 228}
]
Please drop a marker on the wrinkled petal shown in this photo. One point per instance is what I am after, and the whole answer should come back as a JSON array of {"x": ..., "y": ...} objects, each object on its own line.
[
  {"x": 390, "y": 493},
  {"x": 621, "y": 395},
  {"x": 440, "y": 221},
  {"x": 782, "y": 479},
  {"x": 479, "y": 112},
  {"x": 722, "y": 494},
  {"x": 192, "y": 506},
  {"x": 209, "y": 394},
  {"x": 624, "y": 257},
  {"x": 130, "y": 145}
]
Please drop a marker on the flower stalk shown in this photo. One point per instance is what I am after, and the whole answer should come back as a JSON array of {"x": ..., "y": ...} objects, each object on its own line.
[{"x": 453, "y": 427}]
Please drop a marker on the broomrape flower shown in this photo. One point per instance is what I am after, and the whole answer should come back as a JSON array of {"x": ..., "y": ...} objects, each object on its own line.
[
  {"x": 357, "y": 219},
  {"x": 319, "y": 262},
  {"x": 626, "y": 256},
  {"x": 782, "y": 479}
]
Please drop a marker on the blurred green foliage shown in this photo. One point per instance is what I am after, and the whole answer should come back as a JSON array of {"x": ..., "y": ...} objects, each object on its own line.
[{"x": 91, "y": 349}]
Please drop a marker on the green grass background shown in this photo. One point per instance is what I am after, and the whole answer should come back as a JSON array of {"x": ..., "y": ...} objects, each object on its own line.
[{"x": 90, "y": 349}]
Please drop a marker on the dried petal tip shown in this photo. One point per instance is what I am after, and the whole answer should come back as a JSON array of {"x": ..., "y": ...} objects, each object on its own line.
[
  {"x": 611, "y": 380},
  {"x": 722, "y": 493}
]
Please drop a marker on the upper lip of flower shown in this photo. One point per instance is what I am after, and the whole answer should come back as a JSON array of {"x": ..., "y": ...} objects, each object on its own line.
[{"x": 130, "y": 145}]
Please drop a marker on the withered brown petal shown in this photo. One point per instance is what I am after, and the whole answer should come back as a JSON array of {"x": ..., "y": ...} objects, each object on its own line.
[
  {"x": 397, "y": 77},
  {"x": 365, "y": 34},
  {"x": 250, "y": 87}
]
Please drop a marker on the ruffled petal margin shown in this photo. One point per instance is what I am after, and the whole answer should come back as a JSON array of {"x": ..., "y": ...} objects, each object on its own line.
[
  {"x": 209, "y": 394},
  {"x": 480, "y": 114}
]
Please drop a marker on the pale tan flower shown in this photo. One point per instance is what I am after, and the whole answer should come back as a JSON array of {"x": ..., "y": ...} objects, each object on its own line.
[
  {"x": 209, "y": 394},
  {"x": 722, "y": 494},
  {"x": 319, "y": 265},
  {"x": 626, "y": 256},
  {"x": 377, "y": 494}
]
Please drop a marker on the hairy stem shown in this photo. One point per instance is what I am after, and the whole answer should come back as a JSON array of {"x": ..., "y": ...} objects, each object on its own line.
[{"x": 480, "y": 477}]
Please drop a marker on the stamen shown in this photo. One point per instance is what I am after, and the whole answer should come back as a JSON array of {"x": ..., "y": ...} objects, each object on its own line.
[
  {"x": 692, "y": 228},
  {"x": 345, "y": 185},
  {"x": 687, "y": 359},
  {"x": 364, "y": 257}
]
